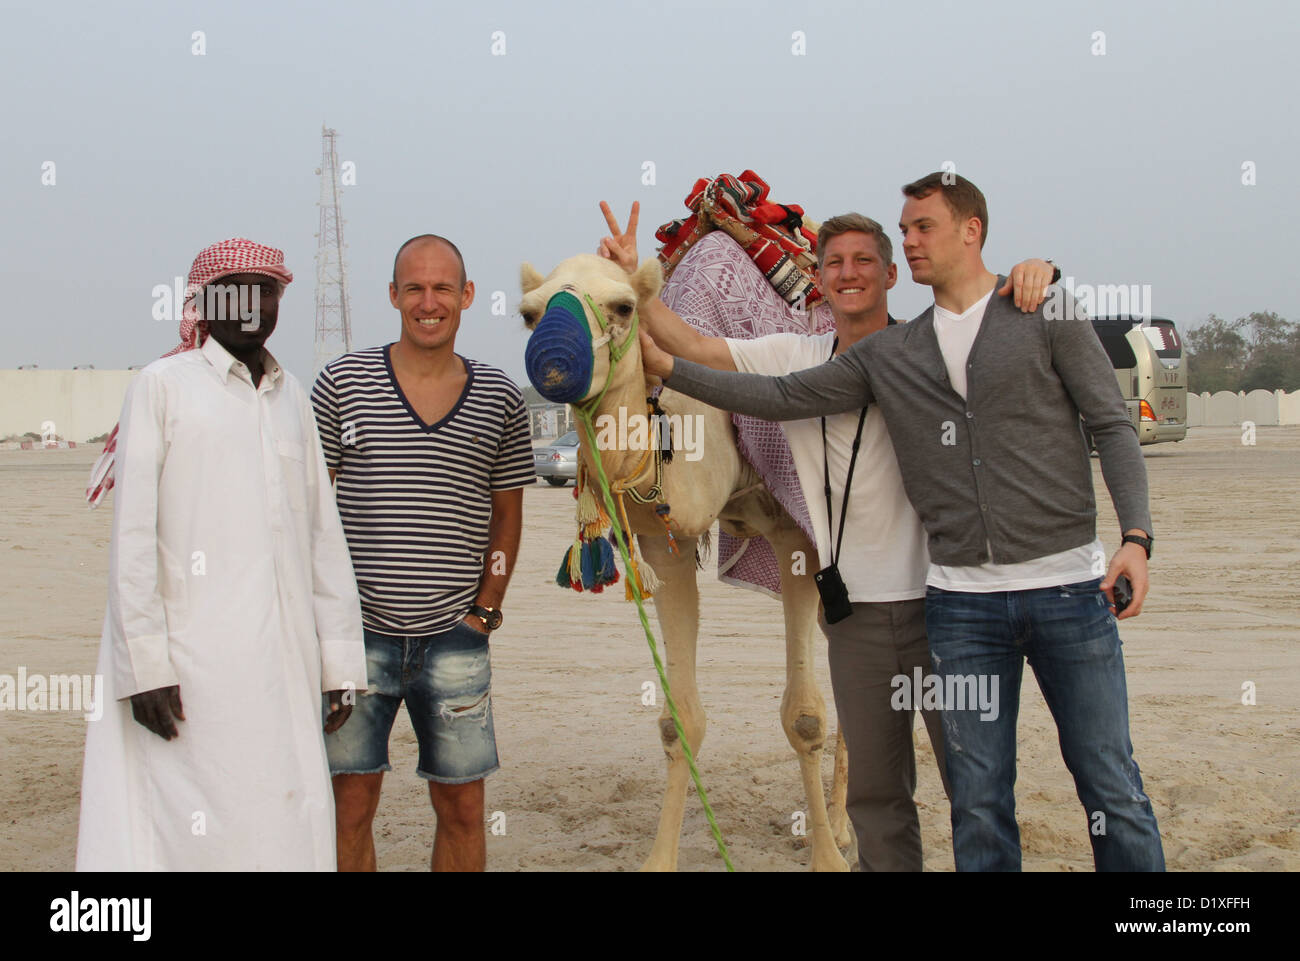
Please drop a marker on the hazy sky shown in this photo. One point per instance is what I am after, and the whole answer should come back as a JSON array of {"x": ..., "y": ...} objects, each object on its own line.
[{"x": 1125, "y": 167}]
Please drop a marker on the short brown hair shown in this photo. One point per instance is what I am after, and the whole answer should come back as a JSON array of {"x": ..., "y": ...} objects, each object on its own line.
[
  {"x": 962, "y": 197},
  {"x": 454, "y": 249},
  {"x": 849, "y": 223}
]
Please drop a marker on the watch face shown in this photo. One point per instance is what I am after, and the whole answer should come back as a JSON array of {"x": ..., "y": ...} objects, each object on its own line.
[{"x": 494, "y": 619}]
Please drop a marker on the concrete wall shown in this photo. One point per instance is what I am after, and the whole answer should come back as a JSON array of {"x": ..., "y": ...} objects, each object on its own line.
[
  {"x": 1288, "y": 407},
  {"x": 81, "y": 403},
  {"x": 1264, "y": 408},
  {"x": 1222, "y": 409},
  {"x": 1260, "y": 407}
]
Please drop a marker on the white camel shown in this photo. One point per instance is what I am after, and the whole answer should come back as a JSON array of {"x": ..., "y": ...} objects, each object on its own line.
[{"x": 720, "y": 486}]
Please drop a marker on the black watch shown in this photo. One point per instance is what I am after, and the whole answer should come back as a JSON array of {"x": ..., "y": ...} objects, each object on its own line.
[
  {"x": 1056, "y": 272},
  {"x": 490, "y": 616},
  {"x": 1143, "y": 542}
]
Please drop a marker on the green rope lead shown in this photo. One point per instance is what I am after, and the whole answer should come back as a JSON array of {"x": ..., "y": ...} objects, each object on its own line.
[{"x": 584, "y": 417}]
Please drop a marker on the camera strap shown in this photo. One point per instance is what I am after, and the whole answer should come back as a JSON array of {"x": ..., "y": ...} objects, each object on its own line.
[{"x": 848, "y": 481}]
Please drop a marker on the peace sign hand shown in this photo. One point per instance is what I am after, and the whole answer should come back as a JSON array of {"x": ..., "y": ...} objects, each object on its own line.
[{"x": 620, "y": 248}]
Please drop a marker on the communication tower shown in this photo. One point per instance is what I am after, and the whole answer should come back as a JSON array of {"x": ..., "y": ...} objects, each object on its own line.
[{"x": 333, "y": 311}]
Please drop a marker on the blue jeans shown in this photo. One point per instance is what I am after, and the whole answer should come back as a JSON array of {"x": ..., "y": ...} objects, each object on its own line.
[
  {"x": 445, "y": 680},
  {"x": 1070, "y": 638}
]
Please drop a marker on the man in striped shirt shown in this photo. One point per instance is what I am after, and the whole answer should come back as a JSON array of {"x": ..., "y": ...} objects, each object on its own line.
[{"x": 430, "y": 452}]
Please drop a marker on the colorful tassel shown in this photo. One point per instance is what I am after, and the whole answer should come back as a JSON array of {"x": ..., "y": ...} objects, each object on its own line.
[
  {"x": 588, "y": 566},
  {"x": 592, "y": 519},
  {"x": 662, "y": 513},
  {"x": 649, "y": 579},
  {"x": 575, "y": 565},
  {"x": 588, "y": 510},
  {"x": 591, "y": 561},
  {"x": 643, "y": 572},
  {"x": 608, "y": 570}
]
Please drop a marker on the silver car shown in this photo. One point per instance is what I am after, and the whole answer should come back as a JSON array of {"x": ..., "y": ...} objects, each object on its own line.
[{"x": 559, "y": 462}]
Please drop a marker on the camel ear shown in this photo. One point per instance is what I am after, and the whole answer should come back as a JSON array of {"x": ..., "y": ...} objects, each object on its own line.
[
  {"x": 648, "y": 280},
  {"x": 529, "y": 278}
]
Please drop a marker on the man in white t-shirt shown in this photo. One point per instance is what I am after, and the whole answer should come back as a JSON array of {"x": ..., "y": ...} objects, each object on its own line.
[
  {"x": 882, "y": 558},
  {"x": 1054, "y": 609}
]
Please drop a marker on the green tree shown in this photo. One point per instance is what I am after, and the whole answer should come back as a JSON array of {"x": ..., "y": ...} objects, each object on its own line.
[
  {"x": 1217, "y": 355},
  {"x": 1274, "y": 361}
]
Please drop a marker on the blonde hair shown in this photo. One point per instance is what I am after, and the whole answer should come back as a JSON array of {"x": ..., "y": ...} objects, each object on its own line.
[{"x": 850, "y": 223}]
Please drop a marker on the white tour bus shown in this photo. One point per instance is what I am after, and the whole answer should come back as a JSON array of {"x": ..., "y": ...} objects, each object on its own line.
[{"x": 1152, "y": 372}]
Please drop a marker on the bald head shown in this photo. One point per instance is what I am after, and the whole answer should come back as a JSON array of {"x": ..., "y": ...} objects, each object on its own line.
[{"x": 423, "y": 239}]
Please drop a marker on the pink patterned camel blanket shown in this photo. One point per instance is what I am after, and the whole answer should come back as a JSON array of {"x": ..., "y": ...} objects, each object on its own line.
[{"x": 718, "y": 289}]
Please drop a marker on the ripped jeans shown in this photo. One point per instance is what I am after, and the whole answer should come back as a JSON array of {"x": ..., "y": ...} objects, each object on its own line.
[
  {"x": 1070, "y": 639},
  {"x": 445, "y": 680}
]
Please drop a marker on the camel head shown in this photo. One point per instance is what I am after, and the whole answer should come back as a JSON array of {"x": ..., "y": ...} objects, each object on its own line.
[{"x": 569, "y": 353}]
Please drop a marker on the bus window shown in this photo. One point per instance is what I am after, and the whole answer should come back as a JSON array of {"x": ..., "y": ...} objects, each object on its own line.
[{"x": 1118, "y": 349}]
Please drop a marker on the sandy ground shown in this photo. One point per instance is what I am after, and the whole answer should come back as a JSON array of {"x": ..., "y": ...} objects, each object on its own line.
[{"x": 582, "y": 773}]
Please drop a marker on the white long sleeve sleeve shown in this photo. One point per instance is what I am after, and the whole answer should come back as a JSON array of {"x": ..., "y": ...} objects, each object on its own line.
[{"x": 137, "y": 616}]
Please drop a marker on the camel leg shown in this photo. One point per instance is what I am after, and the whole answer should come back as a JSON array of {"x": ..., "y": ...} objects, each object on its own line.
[
  {"x": 803, "y": 710},
  {"x": 838, "y": 812},
  {"x": 677, "y": 605}
]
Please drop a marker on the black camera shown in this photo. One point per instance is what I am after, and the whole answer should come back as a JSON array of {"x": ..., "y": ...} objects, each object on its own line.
[
  {"x": 835, "y": 596},
  {"x": 1123, "y": 591}
]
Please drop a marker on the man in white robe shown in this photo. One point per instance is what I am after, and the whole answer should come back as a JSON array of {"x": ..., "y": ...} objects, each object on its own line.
[{"x": 231, "y": 607}]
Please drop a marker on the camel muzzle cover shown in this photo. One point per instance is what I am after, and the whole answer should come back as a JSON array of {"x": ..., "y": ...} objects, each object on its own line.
[{"x": 559, "y": 357}]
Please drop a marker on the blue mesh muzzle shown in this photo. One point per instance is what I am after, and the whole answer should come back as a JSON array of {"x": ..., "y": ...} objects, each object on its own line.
[{"x": 558, "y": 357}]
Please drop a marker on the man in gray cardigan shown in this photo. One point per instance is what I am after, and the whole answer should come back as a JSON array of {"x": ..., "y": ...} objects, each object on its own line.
[{"x": 983, "y": 405}]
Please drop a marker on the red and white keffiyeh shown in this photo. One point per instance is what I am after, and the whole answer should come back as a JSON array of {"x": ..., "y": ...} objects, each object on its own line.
[{"x": 234, "y": 256}]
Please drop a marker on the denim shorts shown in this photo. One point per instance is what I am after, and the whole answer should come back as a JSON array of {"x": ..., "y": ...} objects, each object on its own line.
[{"x": 445, "y": 680}]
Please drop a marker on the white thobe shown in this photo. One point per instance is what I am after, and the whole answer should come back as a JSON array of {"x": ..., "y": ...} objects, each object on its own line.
[{"x": 229, "y": 575}]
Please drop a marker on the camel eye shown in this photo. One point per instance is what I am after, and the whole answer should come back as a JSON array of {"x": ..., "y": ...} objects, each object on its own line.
[
  {"x": 530, "y": 317},
  {"x": 623, "y": 310}
]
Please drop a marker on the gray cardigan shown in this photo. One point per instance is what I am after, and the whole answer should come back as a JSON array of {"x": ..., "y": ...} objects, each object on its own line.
[{"x": 1007, "y": 468}]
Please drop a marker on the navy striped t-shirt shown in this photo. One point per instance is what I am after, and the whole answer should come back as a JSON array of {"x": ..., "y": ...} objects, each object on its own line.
[{"x": 416, "y": 498}]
